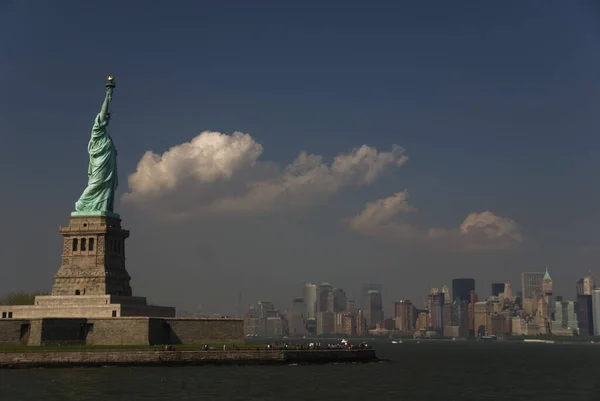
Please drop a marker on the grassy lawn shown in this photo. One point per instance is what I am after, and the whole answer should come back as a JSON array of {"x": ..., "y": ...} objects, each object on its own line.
[{"x": 187, "y": 347}]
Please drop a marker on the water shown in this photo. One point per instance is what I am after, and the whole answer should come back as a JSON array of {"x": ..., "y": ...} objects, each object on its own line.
[{"x": 430, "y": 370}]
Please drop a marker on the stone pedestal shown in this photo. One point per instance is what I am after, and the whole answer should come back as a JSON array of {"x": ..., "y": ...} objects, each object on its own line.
[
  {"x": 88, "y": 306},
  {"x": 92, "y": 281},
  {"x": 93, "y": 258}
]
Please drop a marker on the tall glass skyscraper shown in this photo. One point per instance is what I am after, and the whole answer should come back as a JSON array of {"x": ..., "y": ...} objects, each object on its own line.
[{"x": 462, "y": 287}]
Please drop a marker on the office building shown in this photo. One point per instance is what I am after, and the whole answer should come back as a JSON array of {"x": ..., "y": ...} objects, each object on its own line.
[
  {"x": 310, "y": 300},
  {"x": 325, "y": 298},
  {"x": 497, "y": 289},
  {"x": 339, "y": 300},
  {"x": 373, "y": 309},
  {"x": 297, "y": 317},
  {"x": 404, "y": 316},
  {"x": 589, "y": 285},
  {"x": 435, "y": 304},
  {"x": 462, "y": 287},
  {"x": 532, "y": 284},
  {"x": 596, "y": 310},
  {"x": 585, "y": 318}
]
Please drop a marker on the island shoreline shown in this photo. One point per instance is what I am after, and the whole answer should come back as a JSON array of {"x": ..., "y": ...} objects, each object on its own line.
[{"x": 122, "y": 358}]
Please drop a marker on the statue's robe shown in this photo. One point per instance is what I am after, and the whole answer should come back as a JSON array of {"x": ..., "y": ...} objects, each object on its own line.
[{"x": 102, "y": 172}]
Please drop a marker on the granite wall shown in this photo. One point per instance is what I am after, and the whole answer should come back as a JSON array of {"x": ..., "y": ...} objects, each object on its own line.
[
  {"x": 120, "y": 331},
  {"x": 63, "y": 332},
  {"x": 124, "y": 331},
  {"x": 205, "y": 331},
  {"x": 11, "y": 332}
]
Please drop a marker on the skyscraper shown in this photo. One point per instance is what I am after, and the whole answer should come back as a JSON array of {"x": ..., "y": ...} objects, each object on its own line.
[
  {"x": 462, "y": 287},
  {"x": 547, "y": 283},
  {"x": 596, "y": 310},
  {"x": 297, "y": 317},
  {"x": 365, "y": 291},
  {"x": 531, "y": 284},
  {"x": 460, "y": 316},
  {"x": 435, "y": 304},
  {"x": 323, "y": 299},
  {"x": 497, "y": 288},
  {"x": 508, "y": 290},
  {"x": 447, "y": 294},
  {"x": 310, "y": 300},
  {"x": 404, "y": 316},
  {"x": 373, "y": 309},
  {"x": 584, "y": 312},
  {"x": 579, "y": 287},
  {"x": 339, "y": 300},
  {"x": 589, "y": 285}
]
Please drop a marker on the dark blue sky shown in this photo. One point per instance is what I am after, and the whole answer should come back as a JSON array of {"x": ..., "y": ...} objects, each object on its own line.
[{"x": 495, "y": 103}]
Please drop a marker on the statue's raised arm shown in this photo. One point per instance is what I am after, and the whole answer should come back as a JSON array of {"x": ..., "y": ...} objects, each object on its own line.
[
  {"x": 103, "y": 118},
  {"x": 98, "y": 196}
]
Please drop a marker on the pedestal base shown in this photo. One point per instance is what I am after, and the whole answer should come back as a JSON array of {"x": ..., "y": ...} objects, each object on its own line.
[{"x": 88, "y": 306}]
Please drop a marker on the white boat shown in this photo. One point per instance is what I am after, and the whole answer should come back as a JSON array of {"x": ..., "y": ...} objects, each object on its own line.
[
  {"x": 396, "y": 341},
  {"x": 536, "y": 340}
]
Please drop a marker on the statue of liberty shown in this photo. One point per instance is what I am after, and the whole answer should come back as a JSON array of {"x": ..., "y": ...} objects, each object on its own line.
[{"x": 98, "y": 198}]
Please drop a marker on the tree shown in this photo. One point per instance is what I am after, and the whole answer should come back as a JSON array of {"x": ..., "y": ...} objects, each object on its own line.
[{"x": 19, "y": 298}]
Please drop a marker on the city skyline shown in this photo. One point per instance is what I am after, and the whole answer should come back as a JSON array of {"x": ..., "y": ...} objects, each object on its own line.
[
  {"x": 456, "y": 311},
  {"x": 262, "y": 144}
]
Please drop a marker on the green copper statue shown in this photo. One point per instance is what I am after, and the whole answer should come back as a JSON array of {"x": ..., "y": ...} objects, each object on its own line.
[{"x": 98, "y": 198}]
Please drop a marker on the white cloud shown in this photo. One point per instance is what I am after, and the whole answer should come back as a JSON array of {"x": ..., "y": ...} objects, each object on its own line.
[
  {"x": 477, "y": 232},
  {"x": 218, "y": 173}
]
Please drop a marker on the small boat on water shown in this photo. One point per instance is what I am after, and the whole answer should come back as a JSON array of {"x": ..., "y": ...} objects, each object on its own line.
[
  {"x": 396, "y": 341},
  {"x": 538, "y": 341}
]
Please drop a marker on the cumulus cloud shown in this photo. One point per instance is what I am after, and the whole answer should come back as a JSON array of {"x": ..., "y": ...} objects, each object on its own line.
[
  {"x": 219, "y": 173},
  {"x": 477, "y": 232}
]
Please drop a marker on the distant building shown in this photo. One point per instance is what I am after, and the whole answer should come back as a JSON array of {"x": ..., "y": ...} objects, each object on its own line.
[
  {"x": 596, "y": 310},
  {"x": 481, "y": 310},
  {"x": 350, "y": 324},
  {"x": 547, "y": 283},
  {"x": 325, "y": 322},
  {"x": 364, "y": 292},
  {"x": 264, "y": 309},
  {"x": 435, "y": 304},
  {"x": 565, "y": 320},
  {"x": 584, "y": 312},
  {"x": 422, "y": 321},
  {"x": 311, "y": 327},
  {"x": 310, "y": 300},
  {"x": 531, "y": 284},
  {"x": 460, "y": 317},
  {"x": 404, "y": 316},
  {"x": 324, "y": 300},
  {"x": 473, "y": 300},
  {"x": 297, "y": 317},
  {"x": 351, "y": 307},
  {"x": 508, "y": 294},
  {"x": 360, "y": 322},
  {"x": 447, "y": 295},
  {"x": 589, "y": 284},
  {"x": 499, "y": 324},
  {"x": 462, "y": 287},
  {"x": 339, "y": 300},
  {"x": 373, "y": 309},
  {"x": 497, "y": 289},
  {"x": 273, "y": 327},
  {"x": 579, "y": 287}
]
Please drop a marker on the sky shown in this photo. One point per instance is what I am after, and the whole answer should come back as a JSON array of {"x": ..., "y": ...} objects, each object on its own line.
[{"x": 265, "y": 144}]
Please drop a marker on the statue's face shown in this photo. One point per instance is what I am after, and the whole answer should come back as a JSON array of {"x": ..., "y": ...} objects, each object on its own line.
[{"x": 107, "y": 117}]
